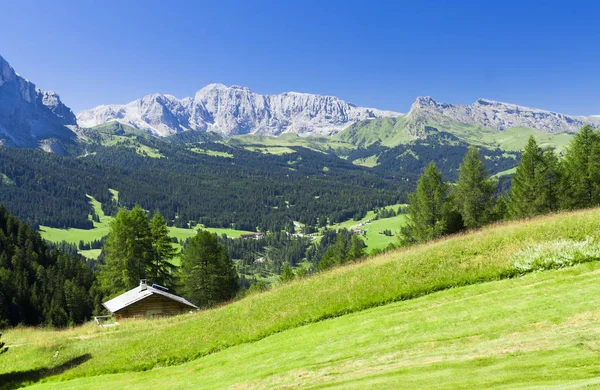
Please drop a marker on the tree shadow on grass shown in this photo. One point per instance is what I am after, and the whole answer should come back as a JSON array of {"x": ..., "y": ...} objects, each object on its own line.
[{"x": 16, "y": 379}]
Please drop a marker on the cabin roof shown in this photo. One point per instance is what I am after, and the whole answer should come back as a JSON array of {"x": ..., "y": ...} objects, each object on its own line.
[{"x": 139, "y": 293}]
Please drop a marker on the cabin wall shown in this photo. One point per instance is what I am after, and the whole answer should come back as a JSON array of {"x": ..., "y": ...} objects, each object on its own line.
[{"x": 153, "y": 306}]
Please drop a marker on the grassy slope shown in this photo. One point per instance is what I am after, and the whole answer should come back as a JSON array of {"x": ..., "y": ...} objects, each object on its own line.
[
  {"x": 405, "y": 274},
  {"x": 373, "y": 237},
  {"x": 288, "y": 140},
  {"x": 534, "y": 331},
  {"x": 115, "y": 133},
  {"x": 74, "y": 235},
  {"x": 388, "y": 131},
  {"x": 209, "y": 152},
  {"x": 102, "y": 228},
  {"x": 513, "y": 139},
  {"x": 392, "y": 132},
  {"x": 368, "y": 162},
  {"x": 278, "y": 150}
]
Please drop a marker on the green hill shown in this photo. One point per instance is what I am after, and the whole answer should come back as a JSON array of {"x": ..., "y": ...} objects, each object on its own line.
[
  {"x": 416, "y": 316},
  {"x": 390, "y": 132},
  {"x": 530, "y": 331}
]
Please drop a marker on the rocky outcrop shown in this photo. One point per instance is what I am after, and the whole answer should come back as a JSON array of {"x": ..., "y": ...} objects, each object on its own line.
[
  {"x": 497, "y": 115},
  {"x": 234, "y": 110},
  {"x": 29, "y": 116}
]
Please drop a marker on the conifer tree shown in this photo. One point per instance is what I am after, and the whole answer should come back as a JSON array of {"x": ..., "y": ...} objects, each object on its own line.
[
  {"x": 329, "y": 259},
  {"x": 287, "y": 274},
  {"x": 535, "y": 186},
  {"x": 128, "y": 251},
  {"x": 209, "y": 276},
  {"x": 581, "y": 184},
  {"x": 342, "y": 250},
  {"x": 429, "y": 210},
  {"x": 357, "y": 248},
  {"x": 474, "y": 191},
  {"x": 161, "y": 269}
]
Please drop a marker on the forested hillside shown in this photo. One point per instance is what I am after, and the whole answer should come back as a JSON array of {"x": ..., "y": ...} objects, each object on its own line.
[
  {"x": 39, "y": 285},
  {"x": 443, "y": 148},
  {"x": 192, "y": 180},
  {"x": 249, "y": 191}
]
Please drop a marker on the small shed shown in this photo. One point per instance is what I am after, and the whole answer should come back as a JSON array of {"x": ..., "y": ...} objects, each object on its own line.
[{"x": 146, "y": 302}]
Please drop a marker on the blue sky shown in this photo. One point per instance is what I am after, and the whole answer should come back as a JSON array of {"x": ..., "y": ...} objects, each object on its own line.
[{"x": 381, "y": 54}]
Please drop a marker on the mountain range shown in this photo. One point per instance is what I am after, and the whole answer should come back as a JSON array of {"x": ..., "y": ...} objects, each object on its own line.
[
  {"x": 234, "y": 111},
  {"x": 30, "y": 117},
  {"x": 500, "y": 116}
]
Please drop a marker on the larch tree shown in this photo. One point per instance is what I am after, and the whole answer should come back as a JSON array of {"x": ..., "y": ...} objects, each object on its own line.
[
  {"x": 474, "y": 191},
  {"x": 128, "y": 251},
  {"x": 357, "y": 248},
  {"x": 430, "y": 209},
  {"x": 287, "y": 273},
  {"x": 161, "y": 270},
  {"x": 581, "y": 184},
  {"x": 535, "y": 186},
  {"x": 338, "y": 252},
  {"x": 209, "y": 277}
]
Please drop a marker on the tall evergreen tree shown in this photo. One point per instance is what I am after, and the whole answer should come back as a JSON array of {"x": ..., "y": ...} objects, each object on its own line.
[
  {"x": 581, "y": 184},
  {"x": 535, "y": 186},
  {"x": 346, "y": 247},
  {"x": 429, "y": 210},
  {"x": 209, "y": 276},
  {"x": 161, "y": 269},
  {"x": 357, "y": 248},
  {"x": 474, "y": 191},
  {"x": 287, "y": 274},
  {"x": 128, "y": 251}
]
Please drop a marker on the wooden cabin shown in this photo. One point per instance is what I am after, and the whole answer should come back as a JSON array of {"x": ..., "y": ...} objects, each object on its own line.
[{"x": 147, "y": 302}]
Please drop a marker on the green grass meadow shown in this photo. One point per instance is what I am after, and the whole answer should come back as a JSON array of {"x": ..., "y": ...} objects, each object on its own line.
[
  {"x": 415, "y": 317},
  {"x": 374, "y": 237},
  {"x": 73, "y": 235},
  {"x": 209, "y": 152},
  {"x": 101, "y": 229},
  {"x": 534, "y": 331}
]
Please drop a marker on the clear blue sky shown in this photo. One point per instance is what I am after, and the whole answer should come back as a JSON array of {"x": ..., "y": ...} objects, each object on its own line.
[{"x": 380, "y": 54}]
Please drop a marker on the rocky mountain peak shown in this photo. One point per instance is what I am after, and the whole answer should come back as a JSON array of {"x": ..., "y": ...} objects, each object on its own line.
[
  {"x": 28, "y": 115},
  {"x": 498, "y": 115},
  {"x": 51, "y": 100},
  {"x": 424, "y": 101},
  {"x": 235, "y": 110},
  {"x": 6, "y": 72}
]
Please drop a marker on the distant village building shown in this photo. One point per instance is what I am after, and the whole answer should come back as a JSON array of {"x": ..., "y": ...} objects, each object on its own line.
[
  {"x": 256, "y": 236},
  {"x": 358, "y": 230},
  {"x": 146, "y": 302}
]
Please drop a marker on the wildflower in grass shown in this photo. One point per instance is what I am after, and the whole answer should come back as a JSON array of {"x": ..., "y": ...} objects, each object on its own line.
[{"x": 556, "y": 254}]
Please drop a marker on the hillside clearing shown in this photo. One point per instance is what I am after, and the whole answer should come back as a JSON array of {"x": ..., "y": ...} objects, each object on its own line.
[
  {"x": 101, "y": 229},
  {"x": 534, "y": 330},
  {"x": 373, "y": 237},
  {"x": 400, "y": 275},
  {"x": 74, "y": 235}
]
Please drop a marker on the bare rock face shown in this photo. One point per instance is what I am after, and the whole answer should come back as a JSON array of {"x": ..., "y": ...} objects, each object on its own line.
[
  {"x": 234, "y": 110},
  {"x": 28, "y": 116},
  {"x": 497, "y": 115}
]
